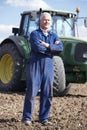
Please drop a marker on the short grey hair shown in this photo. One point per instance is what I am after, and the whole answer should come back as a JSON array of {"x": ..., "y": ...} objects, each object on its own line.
[{"x": 45, "y": 14}]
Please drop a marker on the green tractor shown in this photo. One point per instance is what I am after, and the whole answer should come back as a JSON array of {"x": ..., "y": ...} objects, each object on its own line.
[{"x": 70, "y": 66}]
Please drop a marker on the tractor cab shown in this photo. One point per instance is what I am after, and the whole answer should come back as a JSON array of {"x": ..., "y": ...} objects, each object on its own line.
[{"x": 63, "y": 23}]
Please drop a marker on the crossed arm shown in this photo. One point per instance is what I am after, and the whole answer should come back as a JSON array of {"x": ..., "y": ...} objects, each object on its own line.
[
  {"x": 38, "y": 45},
  {"x": 47, "y": 45}
]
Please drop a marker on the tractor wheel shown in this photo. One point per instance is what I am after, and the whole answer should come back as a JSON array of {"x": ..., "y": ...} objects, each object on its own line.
[
  {"x": 59, "y": 85},
  {"x": 11, "y": 64}
]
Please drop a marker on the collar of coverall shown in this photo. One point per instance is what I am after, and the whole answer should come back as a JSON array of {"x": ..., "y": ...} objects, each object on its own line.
[{"x": 46, "y": 33}]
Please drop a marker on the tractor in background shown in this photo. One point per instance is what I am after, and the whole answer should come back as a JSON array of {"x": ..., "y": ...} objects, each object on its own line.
[{"x": 70, "y": 66}]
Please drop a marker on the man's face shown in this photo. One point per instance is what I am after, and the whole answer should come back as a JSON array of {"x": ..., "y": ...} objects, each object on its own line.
[{"x": 45, "y": 22}]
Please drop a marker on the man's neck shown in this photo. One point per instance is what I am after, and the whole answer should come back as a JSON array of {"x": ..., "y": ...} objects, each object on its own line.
[{"x": 45, "y": 30}]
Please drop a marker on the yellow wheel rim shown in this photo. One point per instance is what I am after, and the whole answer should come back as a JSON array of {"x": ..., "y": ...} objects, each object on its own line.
[{"x": 6, "y": 68}]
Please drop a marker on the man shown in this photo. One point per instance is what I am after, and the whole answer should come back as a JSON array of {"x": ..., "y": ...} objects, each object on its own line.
[{"x": 40, "y": 73}]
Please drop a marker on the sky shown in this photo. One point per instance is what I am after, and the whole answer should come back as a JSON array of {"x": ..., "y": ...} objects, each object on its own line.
[{"x": 10, "y": 11}]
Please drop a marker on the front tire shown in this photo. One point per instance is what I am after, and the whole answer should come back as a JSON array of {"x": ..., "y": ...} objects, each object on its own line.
[
  {"x": 11, "y": 64},
  {"x": 59, "y": 85}
]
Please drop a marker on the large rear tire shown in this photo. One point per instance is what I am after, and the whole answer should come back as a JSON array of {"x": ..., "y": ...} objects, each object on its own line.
[
  {"x": 59, "y": 85},
  {"x": 11, "y": 64}
]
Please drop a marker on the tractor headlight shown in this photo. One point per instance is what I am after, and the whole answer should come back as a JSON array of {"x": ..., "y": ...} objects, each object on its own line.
[{"x": 85, "y": 55}]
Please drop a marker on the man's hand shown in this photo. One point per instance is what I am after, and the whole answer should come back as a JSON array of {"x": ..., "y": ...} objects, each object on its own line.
[
  {"x": 57, "y": 42},
  {"x": 44, "y": 44}
]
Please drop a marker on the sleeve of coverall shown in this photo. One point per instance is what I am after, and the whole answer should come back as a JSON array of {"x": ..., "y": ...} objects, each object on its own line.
[
  {"x": 35, "y": 43},
  {"x": 56, "y": 47}
]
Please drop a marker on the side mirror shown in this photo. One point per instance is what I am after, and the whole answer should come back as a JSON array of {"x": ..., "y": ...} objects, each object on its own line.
[
  {"x": 33, "y": 15},
  {"x": 15, "y": 30},
  {"x": 85, "y": 22}
]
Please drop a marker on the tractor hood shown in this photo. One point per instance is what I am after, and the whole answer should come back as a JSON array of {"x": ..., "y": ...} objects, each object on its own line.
[
  {"x": 75, "y": 50},
  {"x": 74, "y": 39}
]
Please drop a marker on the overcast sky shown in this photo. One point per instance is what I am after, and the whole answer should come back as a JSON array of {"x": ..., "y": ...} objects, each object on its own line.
[{"x": 10, "y": 11}]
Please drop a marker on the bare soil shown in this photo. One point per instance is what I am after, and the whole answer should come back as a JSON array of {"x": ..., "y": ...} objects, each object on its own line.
[{"x": 67, "y": 113}]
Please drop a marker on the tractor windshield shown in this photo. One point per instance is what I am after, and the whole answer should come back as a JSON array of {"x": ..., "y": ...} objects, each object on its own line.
[{"x": 63, "y": 26}]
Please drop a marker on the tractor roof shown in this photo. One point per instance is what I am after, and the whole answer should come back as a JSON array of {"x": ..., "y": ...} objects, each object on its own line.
[{"x": 52, "y": 11}]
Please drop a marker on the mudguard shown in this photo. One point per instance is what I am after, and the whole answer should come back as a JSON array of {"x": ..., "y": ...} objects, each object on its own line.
[{"x": 21, "y": 43}]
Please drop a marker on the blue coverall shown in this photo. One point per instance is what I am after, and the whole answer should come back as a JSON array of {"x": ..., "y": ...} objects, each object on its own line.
[{"x": 40, "y": 74}]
